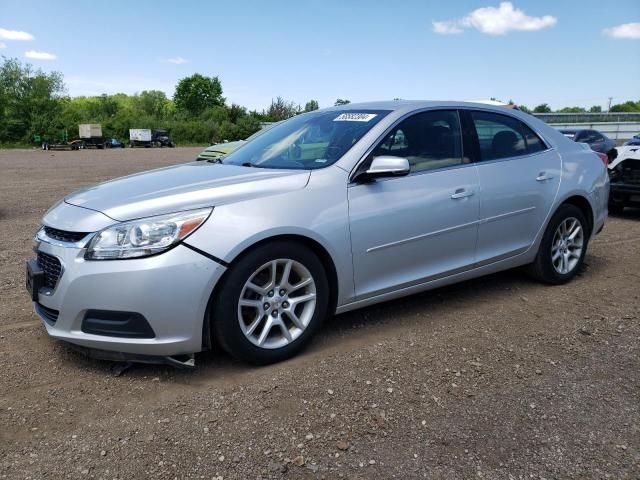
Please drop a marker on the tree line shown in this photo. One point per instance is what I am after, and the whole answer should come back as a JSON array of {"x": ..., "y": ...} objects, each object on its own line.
[
  {"x": 35, "y": 103},
  {"x": 629, "y": 106}
]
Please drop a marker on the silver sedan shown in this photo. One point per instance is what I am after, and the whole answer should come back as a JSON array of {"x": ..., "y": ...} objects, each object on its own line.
[{"x": 327, "y": 212}]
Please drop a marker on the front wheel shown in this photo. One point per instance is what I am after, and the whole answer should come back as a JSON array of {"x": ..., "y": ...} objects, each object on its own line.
[
  {"x": 270, "y": 303},
  {"x": 563, "y": 246}
]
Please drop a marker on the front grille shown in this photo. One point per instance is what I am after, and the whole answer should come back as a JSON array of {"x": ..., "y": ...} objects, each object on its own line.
[
  {"x": 63, "y": 235},
  {"x": 51, "y": 267},
  {"x": 48, "y": 313},
  {"x": 631, "y": 175}
]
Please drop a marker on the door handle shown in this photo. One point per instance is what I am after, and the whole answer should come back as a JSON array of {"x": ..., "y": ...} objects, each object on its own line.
[
  {"x": 461, "y": 193},
  {"x": 542, "y": 176}
]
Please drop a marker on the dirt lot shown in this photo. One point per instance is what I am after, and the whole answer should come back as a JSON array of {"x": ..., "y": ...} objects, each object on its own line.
[{"x": 495, "y": 378}]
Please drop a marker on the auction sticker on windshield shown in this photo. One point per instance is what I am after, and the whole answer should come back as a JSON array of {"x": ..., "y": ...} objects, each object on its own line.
[{"x": 354, "y": 117}]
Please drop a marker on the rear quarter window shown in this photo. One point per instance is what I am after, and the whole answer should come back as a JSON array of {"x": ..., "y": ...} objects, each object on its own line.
[{"x": 534, "y": 142}]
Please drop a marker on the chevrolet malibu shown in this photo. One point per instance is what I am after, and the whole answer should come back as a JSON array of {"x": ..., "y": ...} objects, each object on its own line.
[{"x": 327, "y": 212}]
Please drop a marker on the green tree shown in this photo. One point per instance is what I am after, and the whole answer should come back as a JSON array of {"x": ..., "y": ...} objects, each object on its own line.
[
  {"x": 629, "y": 106},
  {"x": 30, "y": 101},
  {"x": 524, "y": 108},
  {"x": 281, "y": 109},
  {"x": 572, "y": 110},
  {"x": 542, "y": 108},
  {"x": 311, "y": 105},
  {"x": 196, "y": 93},
  {"x": 152, "y": 102},
  {"x": 236, "y": 112},
  {"x": 342, "y": 101},
  {"x": 595, "y": 109}
]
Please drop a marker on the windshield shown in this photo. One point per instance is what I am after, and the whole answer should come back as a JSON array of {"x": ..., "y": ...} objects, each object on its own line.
[
  {"x": 309, "y": 141},
  {"x": 262, "y": 130}
]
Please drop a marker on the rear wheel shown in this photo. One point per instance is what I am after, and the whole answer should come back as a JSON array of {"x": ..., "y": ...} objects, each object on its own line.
[
  {"x": 563, "y": 246},
  {"x": 270, "y": 303}
]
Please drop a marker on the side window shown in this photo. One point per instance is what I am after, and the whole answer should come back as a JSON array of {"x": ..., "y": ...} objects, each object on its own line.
[
  {"x": 499, "y": 136},
  {"x": 597, "y": 137},
  {"x": 396, "y": 140},
  {"x": 588, "y": 136},
  {"x": 581, "y": 136},
  {"x": 429, "y": 140},
  {"x": 534, "y": 143}
]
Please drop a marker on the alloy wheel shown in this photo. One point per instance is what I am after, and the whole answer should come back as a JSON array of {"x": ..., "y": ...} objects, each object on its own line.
[
  {"x": 567, "y": 245},
  {"x": 277, "y": 303}
]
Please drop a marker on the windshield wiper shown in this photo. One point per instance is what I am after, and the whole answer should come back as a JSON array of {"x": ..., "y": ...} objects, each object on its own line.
[{"x": 216, "y": 159}]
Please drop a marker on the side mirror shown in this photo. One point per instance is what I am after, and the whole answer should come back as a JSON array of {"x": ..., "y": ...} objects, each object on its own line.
[{"x": 387, "y": 166}]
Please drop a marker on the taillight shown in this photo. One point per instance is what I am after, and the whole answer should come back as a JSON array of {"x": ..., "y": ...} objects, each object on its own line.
[{"x": 603, "y": 157}]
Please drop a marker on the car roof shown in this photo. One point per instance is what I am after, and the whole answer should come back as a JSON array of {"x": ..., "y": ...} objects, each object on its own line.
[{"x": 395, "y": 105}]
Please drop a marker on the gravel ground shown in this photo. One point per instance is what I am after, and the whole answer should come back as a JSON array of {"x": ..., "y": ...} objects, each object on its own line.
[{"x": 499, "y": 377}]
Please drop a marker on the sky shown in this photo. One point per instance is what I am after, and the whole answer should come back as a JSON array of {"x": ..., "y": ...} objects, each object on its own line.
[{"x": 564, "y": 53}]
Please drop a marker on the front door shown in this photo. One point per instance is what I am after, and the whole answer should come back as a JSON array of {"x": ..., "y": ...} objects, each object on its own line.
[{"x": 407, "y": 230}]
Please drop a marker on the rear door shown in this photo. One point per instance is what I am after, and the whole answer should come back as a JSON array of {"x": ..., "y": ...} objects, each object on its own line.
[{"x": 519, "y": 178}]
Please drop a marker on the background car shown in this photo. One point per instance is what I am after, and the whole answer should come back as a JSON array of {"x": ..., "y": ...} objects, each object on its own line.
[
  {"x": 114, "y": 143},
  {"x": 624, "y": 178},
  {"x": 598, "y": 141},
  {"x": 217, "y": 150},
  {"x": 634, "y": 141}
]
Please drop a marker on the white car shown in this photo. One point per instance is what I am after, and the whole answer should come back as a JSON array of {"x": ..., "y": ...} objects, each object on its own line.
[{"x": 624, "y": 175}]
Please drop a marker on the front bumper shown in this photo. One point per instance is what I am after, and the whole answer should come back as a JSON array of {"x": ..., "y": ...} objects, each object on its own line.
[
  {"x": 171, "y": 291},
  {"x": 624, "y": 193}
]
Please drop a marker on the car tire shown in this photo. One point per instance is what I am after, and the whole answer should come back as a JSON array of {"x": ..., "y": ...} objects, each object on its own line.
[
  {"x": 547, "y": 267},
  {"x": 232, "y": 323}
]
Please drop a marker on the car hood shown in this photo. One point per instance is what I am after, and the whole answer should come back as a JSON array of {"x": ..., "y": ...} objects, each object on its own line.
[
  {"x": 625, "y": 152},
  {"x": 184, "y": 187}
]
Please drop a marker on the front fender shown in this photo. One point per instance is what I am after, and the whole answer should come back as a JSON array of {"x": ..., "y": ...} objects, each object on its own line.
[{"x": 318, "y": 212}]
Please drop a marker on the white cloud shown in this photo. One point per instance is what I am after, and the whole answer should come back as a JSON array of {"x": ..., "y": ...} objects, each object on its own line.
[
  {"x": 35, "y": 55},
  {"x": 446, "y": 28},
  {"x": 495, "y": 21},
  {"x": 14, "y": 35},
  {"x": 3, "y": 45},
  {"x": 177, "y": 60},
  {"x": 626, "y": 30}
]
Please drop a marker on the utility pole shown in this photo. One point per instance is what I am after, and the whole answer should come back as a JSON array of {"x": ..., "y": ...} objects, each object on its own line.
[{"x": 609, "y": 107}]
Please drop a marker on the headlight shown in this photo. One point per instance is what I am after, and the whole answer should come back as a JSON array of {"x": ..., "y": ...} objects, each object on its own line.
[{"x": 144, "y": 237}]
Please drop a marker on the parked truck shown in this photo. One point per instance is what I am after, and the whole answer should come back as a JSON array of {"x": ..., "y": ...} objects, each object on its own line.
[
  {"x": 91, "y": 135},
  {"x": 161, "y": 138},
  {"x": 142, "y": 137}
]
